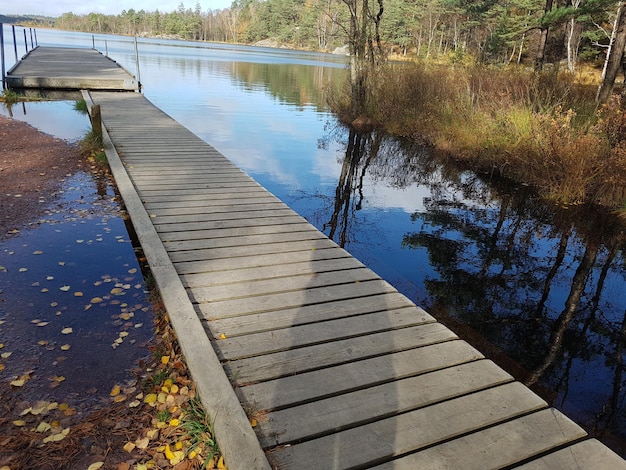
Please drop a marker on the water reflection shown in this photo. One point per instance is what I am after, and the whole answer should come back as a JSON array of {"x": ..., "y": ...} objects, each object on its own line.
[{"x": 541, "y": 287}]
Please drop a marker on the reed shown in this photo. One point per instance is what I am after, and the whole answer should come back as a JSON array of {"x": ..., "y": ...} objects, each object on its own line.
[{"x": 538, "y": 129}]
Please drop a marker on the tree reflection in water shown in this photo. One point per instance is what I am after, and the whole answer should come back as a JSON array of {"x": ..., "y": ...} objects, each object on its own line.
[{"x": 542, "y": 286}]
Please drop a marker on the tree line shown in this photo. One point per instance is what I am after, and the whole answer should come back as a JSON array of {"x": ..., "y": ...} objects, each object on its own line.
[{"x": 489, "y": 31}]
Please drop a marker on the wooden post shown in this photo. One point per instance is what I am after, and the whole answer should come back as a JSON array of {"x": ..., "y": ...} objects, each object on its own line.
[
  {"x": 32, "y": 44},
  {"x": 96, "y": 120},
  {"x": 36, "y": 41},
  {"x": 25, "y": 41}
]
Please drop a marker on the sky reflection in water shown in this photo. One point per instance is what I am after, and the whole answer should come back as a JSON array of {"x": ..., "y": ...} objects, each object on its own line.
[{"x": 75, "y": 267}]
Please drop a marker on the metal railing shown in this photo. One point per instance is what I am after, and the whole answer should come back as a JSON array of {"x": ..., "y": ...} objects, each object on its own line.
[{"x": 33, "y": 44}]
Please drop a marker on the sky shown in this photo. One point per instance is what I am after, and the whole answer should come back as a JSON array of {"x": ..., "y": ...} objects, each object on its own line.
[{"x": 109, "y": 7}]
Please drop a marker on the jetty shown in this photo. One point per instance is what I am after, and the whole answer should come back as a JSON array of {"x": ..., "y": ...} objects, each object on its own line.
[
  {"x": 69, "y": 68},
  {"x": 303, "y": 357}
]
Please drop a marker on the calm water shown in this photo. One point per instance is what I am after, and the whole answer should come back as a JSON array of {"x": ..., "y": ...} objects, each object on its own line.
[{"x": 542, "y": 289}]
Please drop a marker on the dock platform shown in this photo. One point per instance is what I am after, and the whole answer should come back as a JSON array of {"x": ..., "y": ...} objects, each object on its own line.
[
  {"x": 69, "y": 68},
  {"x": 304, "y": 357}
]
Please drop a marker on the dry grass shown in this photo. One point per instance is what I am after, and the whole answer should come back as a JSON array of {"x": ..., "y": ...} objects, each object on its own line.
[{"x": 539, "y": 129}]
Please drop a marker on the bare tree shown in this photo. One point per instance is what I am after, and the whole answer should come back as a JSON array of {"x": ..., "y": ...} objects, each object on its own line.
[
  {"x": 613, "y": 56},
  {"x": 364, "y": 44}
]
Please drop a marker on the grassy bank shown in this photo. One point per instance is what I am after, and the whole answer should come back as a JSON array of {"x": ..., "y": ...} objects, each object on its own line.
[{"x": 538, "y": 129}]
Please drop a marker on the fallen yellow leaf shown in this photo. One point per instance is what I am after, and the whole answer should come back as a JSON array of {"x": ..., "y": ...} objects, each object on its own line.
[
  {"x": 19, "y": 422},
  {"x": 115, "y": 391},
  {"x": 65, "y": 288},
  {"x": 220, "y": 463},
  {"x": 65, "y": 347},
  {"x": 18, "y": 383},
  {"x": 57, "y": 437},
  {"x": 39, "y": 407},
  {"x": 43, "y": 427},
  {"x": 129, "y": 447},
  {"x": 95, "y": 466},
  {"x": 142, "y": 443},
  {"x": 67, "y": 331},
  {"x": 150, "y": 398}
]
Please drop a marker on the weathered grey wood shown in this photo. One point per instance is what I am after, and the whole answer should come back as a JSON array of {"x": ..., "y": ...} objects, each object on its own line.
[
  {"x": 235, "y": 222},
  {"x": 224, "y": 261},
  {"x": 69, "y": 69},
  {"x": 236, "y": 232},
  {"x": 242, "y": 240},
  {"x": 365, "y": 405},
  {"x": 262, "y": 287},
  {"x": 415, "y": 430},
  {"x": 291, "y": 300},
  {"x": 331, "y": 309},
  {"x": 223, "y": 208},
  {"x": 275, "y": 271},
  {"x": 280, "y": 364},
  {"x": 586, "y": 454},
  {"x": 498, "y": 446},
  {"x": 239, "y": 347},
  {"x": 323, "y": 383}
]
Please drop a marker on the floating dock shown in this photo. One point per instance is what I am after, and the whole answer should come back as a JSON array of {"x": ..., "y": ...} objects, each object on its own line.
[{"x": 69, "y": 68}]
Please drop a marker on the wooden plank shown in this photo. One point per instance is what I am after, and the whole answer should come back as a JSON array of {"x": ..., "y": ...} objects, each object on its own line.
[
  {"x": 301, "y": 283},
  {"x": 276, "y": 271},
  {"x": 292, "y": 300},
  {"x": 242, "y": 240},
  {"x": 321, "y": 417},
  {"x": 297, "y": 361},
  {"x": 201, "y": 255},
  {"x": 240, "y": 347},
  {"x": 390, "y": 437},
  {"x": 208, "y": 202},
  {"x": 323, "y": 383},
  {"x": 279, "y": 211},
  {"x": 222, "y": 232},
  {"x": 224, "y": 209},
  {"x": 498, "y": 446},
  {"x": 585, "y": 454},
  {"x": 286, "y": 317},
  {"x": 261, "y": 287},
  {"x": 286, "y": 218},
  {"x": 235, "y": 262}
]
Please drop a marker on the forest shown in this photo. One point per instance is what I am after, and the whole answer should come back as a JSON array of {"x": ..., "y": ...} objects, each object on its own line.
[{"x": 487, "y": 31}]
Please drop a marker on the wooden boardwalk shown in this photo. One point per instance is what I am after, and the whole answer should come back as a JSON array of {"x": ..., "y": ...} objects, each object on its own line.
[
  {"x": 69, "y": 68},
  {"x": 339, "y": 370}
]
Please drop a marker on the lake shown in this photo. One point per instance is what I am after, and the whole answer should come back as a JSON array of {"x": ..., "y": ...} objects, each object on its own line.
[{"x": 539, "y": 288}]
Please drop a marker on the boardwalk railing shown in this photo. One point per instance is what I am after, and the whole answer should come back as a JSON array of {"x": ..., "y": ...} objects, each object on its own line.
[{"x": 33, "y": 44}]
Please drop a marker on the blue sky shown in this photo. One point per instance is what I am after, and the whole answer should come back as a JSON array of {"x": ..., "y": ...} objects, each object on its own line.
[{"x": 109, "y": 7}]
